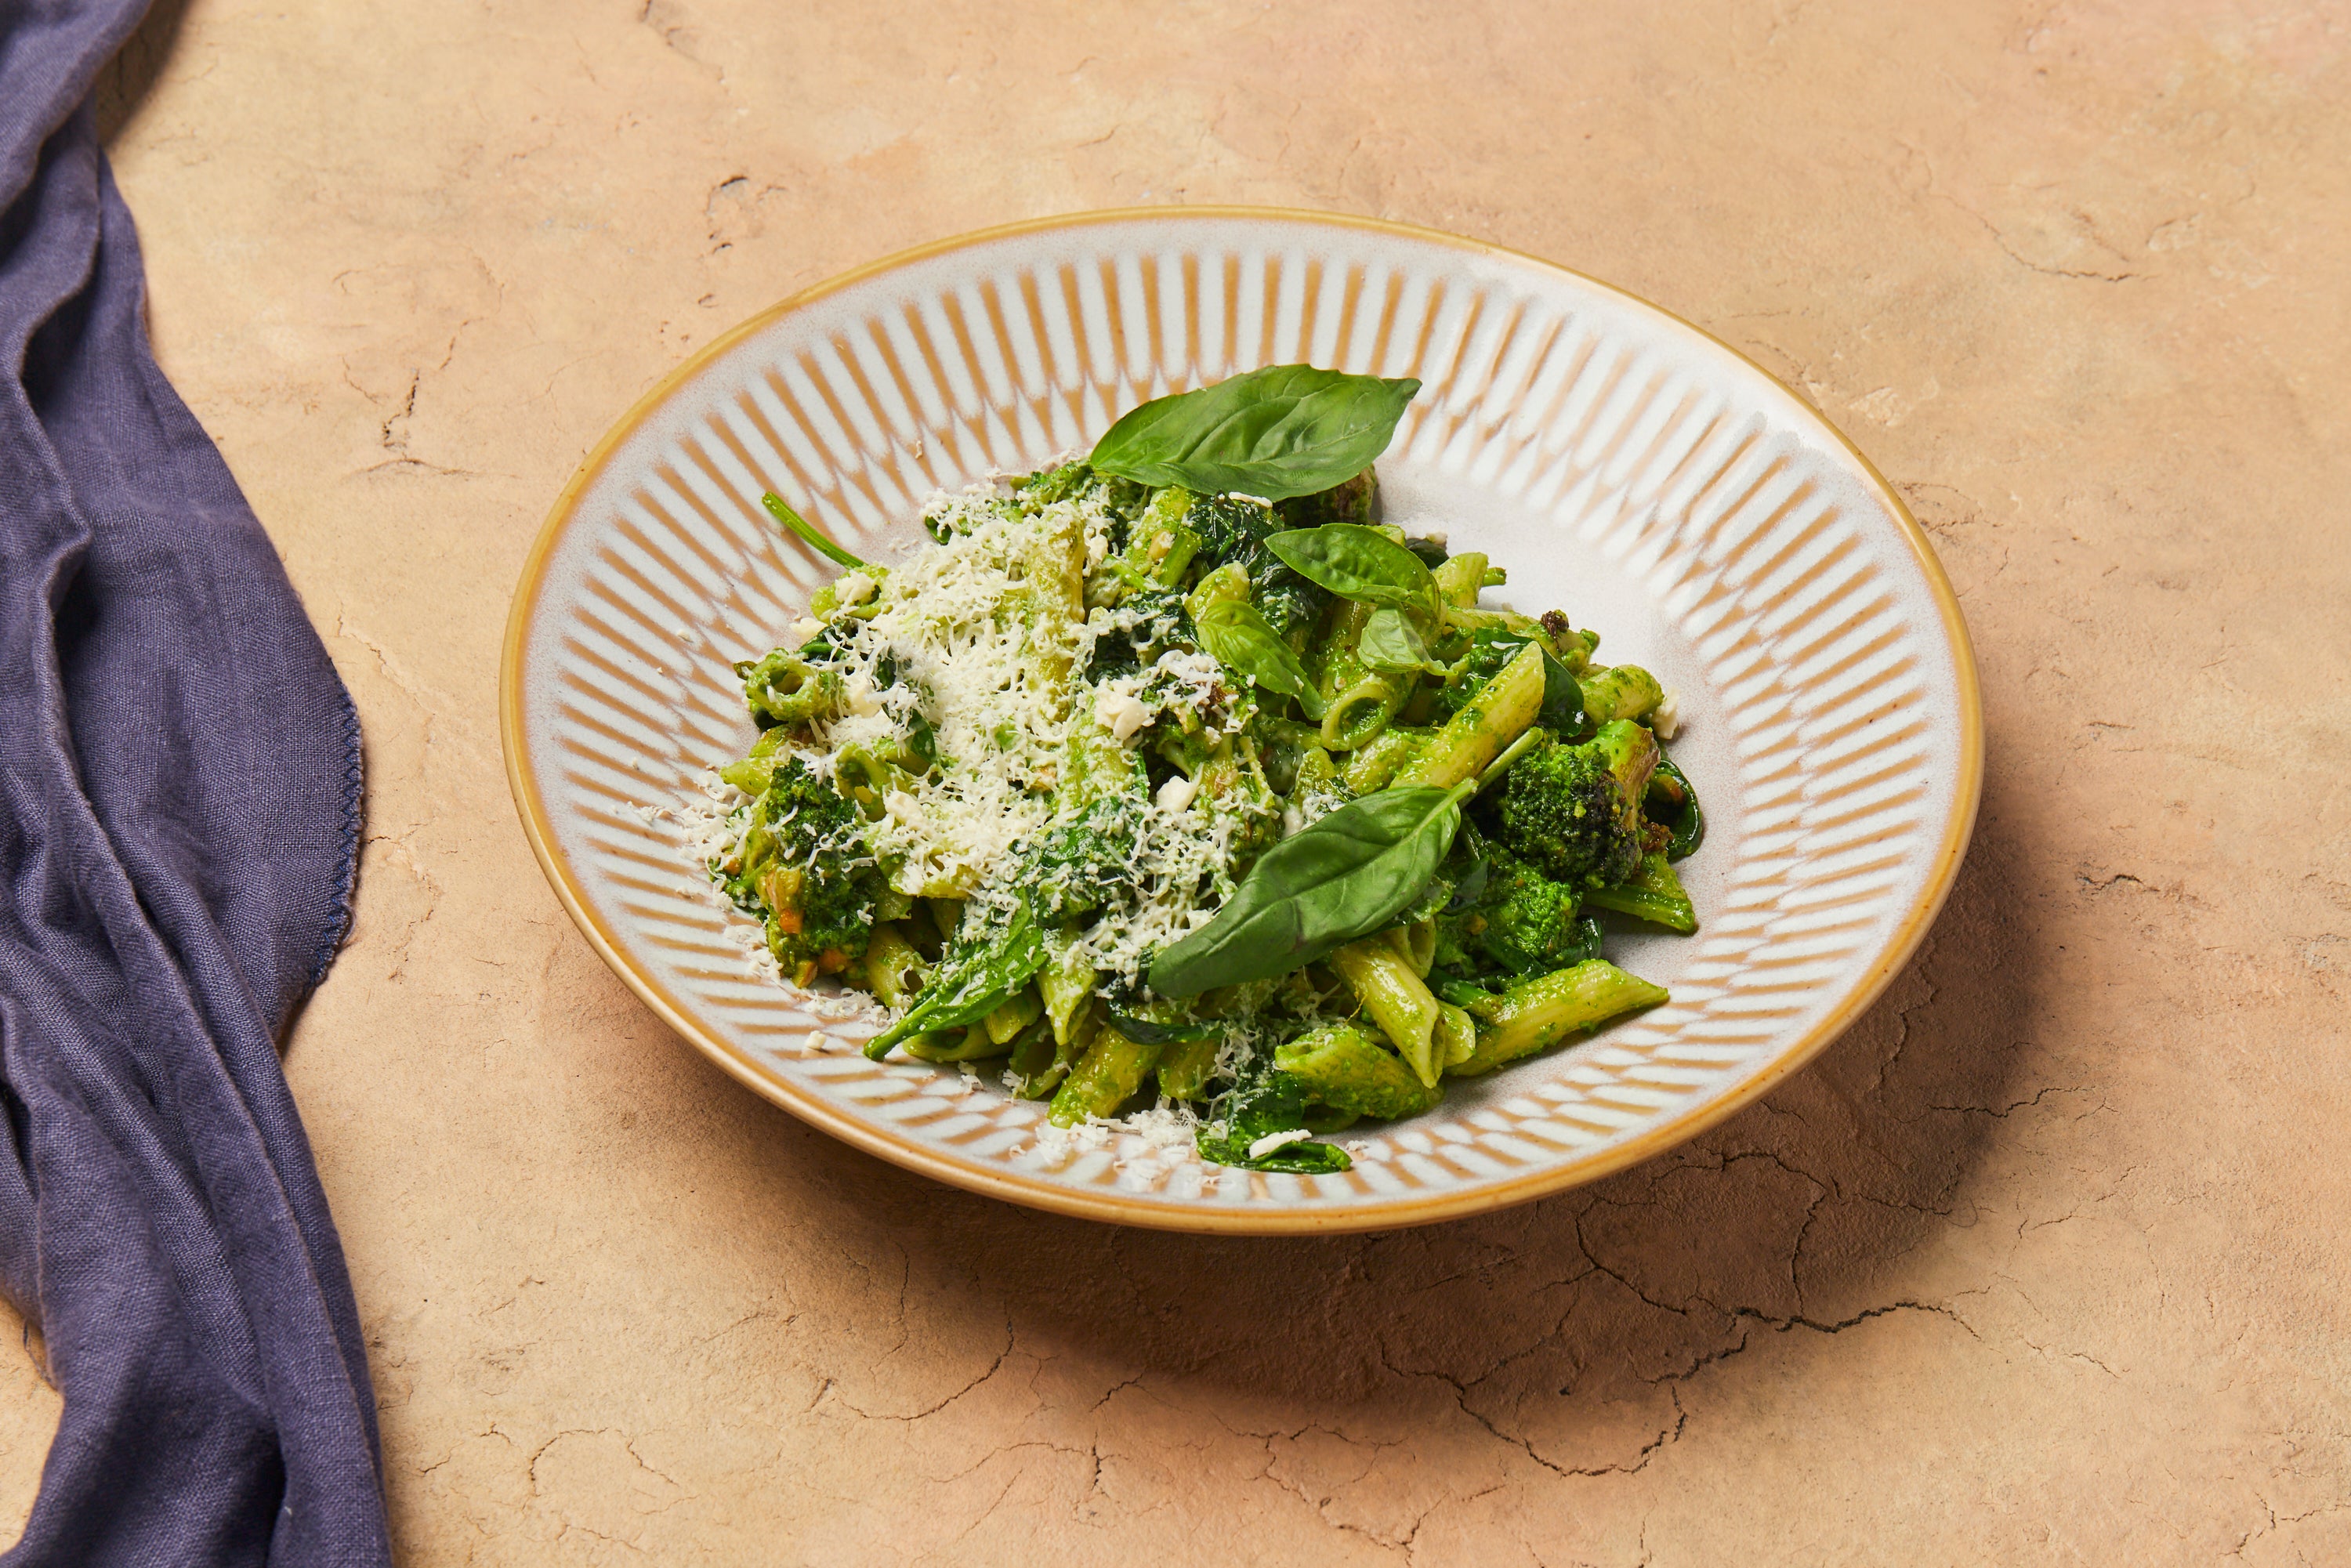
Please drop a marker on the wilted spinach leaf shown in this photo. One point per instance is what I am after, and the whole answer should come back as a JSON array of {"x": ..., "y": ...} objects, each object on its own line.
[
  {"x": 1266, "y": 1102},
  {"x": 972, "y": 981}
]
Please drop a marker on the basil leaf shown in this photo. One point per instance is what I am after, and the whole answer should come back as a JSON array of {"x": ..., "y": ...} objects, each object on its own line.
[
  {"x": 1356, "y": 562},
  {"x": 972, "y": 983},
  {"x": 1283, "y": 431},
  {"x": 1392, "y": 645},
  {"x": 1238, "y": 637},
  {"x": 1341, "y": 877}
]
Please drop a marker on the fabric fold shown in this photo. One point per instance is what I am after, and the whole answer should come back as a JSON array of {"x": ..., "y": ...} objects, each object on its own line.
[{"x": 179, "y": 825}]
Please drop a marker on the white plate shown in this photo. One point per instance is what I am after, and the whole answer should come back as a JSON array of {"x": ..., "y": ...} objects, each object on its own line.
[{"x": 1621, "y": 463}]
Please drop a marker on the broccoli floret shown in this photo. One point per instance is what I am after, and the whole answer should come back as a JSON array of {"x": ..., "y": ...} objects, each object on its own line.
[
  {"x": 1507, "y": 915},
  {"x": 1530, "y": 923},
  {"x": 1573, "y": 813},
  {"x": 804, "y": 864},
  {"x": 1348, "y": 501}
]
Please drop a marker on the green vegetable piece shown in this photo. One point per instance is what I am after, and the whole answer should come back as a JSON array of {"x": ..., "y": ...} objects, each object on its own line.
[
  {"x": 1341, "y": 877},
  {"x": 1654, "y": 895},
  {"x": 804, "y": 865},
  {"x": 805, "y": 530},
  {"x": 1392, "y": 645},
  {"x": 971, "y": 1043},
  {"x": 1276, "y": 433},
  {"x": 1270, "y": 1102},
  {"x": 971, "y": 982},
  {"x": 1343, "y": 1066},
  {"x": 1239, "y": 638},
  {"x": 1519, "y": 920},
  {"x": 1562, "y": 704},
  {"x": 1538, "y": 1013},
  {"x": 1574, "y": 812},
  {"x": 1685, "y": 818},
  {"x": 1362, "y": 564}
]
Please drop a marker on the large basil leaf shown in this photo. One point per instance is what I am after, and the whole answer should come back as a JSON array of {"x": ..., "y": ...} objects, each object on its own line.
[
  {"x": 1356, "y": 562},
  {"x": 1238, "y": 636},
  {"x": 971, "y": 983},
  {"x": 1342, "y": 877},
  {"x": 1284, "y": 431}
]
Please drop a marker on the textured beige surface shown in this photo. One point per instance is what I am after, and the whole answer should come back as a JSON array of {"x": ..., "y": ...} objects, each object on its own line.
[{"x": 2043, "y": 1262}]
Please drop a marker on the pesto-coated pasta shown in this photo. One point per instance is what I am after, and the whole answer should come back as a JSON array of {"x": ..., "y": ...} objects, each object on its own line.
[
  {"x": 1542, "y": 1011},
  {"x": 1397, "y": 999},
  {"x": 1145, "y": 787},
  {"x": 1498, "y": 715},
  {"x": 1111, "y": 1073}
]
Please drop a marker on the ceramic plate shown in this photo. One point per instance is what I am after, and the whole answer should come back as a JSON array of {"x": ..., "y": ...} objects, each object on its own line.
[{"x": 1621, "y": 463}]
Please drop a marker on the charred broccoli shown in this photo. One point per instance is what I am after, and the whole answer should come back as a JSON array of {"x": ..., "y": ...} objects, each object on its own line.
[
  {"x": 805, "y": 865},
  {"x": 1349, "y": 501},
  {"x": 1573, "y": 813},
  {"x": 1529, "y": 923}
]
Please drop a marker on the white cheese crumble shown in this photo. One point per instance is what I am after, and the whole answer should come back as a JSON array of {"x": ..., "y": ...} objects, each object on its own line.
[
  {"x": 1272, "y": 1141},
  {"x": 1119, "y": 712},
  {"x": 1666, "y": 722}
]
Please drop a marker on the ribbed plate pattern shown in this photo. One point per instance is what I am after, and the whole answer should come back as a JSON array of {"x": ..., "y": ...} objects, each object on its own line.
[{"x": 1621, "y": 464}]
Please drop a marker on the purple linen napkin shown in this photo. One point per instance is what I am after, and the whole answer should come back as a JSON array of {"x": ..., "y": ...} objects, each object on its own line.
[{"x": 179, "y": 813}]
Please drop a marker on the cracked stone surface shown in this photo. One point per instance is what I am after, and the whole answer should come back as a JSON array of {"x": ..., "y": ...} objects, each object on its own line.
[{"x": 2042, "y": 1262}]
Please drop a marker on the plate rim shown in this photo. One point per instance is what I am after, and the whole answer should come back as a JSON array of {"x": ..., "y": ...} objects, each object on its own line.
[{"x": 1217, "y": 1218}]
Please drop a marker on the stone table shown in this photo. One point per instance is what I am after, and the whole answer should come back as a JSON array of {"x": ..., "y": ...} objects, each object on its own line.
[{"x": 2042, "y": 1262}]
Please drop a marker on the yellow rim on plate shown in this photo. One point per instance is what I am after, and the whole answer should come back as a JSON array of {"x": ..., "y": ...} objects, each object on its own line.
[{"x": 1256, "y": 1219}]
